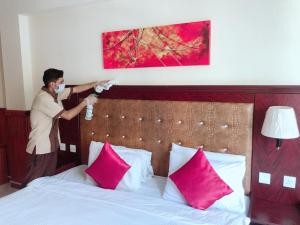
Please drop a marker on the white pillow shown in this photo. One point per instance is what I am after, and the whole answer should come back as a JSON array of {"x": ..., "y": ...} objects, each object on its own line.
[
  {"x": 211, "y": 156},
  {"x": 231, "y": 170},
  {"x": 138, "y": 159}
]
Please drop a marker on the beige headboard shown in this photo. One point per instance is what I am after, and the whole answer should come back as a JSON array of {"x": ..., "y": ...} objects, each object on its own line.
[{"x": 154, "y": 125}]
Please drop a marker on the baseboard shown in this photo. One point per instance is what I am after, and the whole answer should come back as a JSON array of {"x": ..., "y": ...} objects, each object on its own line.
[{"x": 15, "y": 184}]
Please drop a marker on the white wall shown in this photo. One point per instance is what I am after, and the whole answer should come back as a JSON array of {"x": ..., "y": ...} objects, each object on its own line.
[
  {"x": 2, "y": 92},
  {"x": 252, "y": 42},
  {"x": 26, "y": 59},
  {"x": 15, "y": 87}
]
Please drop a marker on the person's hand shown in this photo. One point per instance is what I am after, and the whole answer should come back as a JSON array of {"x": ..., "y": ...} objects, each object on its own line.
[
  {"x": 108, "y": 84},
  {"x": 91, "y": 100},
  {"x": 101, "y": 83}
]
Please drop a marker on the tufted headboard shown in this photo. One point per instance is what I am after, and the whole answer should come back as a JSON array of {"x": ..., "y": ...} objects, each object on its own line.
[{"x": 156, "y": 124}]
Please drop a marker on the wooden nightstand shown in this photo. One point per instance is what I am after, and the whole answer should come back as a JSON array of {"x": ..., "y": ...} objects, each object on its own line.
[{"x": 264, "y": 212}]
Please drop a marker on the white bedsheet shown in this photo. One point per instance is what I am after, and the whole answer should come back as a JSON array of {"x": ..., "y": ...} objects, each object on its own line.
[
  {"x": 66, "y": 199},
  {"x": 153, "y": 187}
]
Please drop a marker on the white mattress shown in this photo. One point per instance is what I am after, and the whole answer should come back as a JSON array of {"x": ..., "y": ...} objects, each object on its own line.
[{"x": 66, "y": 199}]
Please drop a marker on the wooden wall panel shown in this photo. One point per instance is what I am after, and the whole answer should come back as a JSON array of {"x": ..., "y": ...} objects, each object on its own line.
[
  {"x": 3, "y": 154},
  {"x": 266, "y": 158},
  {"x": 178, "y": 93},
  {"x": 2, "y": 127},
  {"x": 17, "y": 131},
  {"x": 69, "y": 133},
  {"x": 286, "y": 161},
  {"x": 3, "y": 165}
]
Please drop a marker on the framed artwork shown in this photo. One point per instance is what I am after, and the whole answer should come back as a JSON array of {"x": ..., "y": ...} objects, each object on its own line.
[{"x": 184, "y": 44}]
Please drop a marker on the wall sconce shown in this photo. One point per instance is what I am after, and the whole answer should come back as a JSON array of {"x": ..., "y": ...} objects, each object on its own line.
[{"x": 280, "y": 123}]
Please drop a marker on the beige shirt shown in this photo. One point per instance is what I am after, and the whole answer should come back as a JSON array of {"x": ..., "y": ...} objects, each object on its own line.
[{"x": 45, "y": 112}]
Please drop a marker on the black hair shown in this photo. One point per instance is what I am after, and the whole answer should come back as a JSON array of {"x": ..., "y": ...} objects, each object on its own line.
[{"x": 52, "y": 75}]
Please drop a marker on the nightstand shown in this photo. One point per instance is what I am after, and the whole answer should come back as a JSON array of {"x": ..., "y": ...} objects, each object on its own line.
[{"x": 263, "y": 212}]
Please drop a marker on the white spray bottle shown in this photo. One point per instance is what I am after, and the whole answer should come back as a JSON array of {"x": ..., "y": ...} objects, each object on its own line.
[{"x": 98, "y": 89}]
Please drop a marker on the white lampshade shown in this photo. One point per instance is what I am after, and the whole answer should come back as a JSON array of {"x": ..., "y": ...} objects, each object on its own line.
[{"x": 280, "y": 122}]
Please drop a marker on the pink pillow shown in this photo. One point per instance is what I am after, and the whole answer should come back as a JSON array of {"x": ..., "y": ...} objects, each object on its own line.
[
  {"x": 108, "y": 169},
  {"x": 198, "y": 182}
]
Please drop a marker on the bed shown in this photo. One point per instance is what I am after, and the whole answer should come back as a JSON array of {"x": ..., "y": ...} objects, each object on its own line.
[
  {"x": 66, "y": 199},
  {"x": 149, "y": 124}
]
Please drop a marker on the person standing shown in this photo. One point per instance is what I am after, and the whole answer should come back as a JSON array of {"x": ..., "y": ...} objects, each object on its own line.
[{"x": 45, "y": 113}]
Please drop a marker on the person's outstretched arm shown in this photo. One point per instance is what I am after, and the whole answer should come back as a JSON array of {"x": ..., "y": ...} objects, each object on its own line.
[
  {"x": 71, "y": 113},
  {"x": 84, "y": 87}
]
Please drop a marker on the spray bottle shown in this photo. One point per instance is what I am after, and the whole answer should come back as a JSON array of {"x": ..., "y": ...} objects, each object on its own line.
[{"x": 98, "y": 89}]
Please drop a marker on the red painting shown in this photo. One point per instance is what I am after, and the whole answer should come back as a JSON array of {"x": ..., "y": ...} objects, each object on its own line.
[{"x": 183, "y": 44}]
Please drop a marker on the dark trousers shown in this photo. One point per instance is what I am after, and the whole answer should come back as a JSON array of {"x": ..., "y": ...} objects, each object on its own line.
[{"x": 39, "y": 166}]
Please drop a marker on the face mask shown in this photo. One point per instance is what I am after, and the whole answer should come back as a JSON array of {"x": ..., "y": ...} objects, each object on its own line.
[{"x": 60, "y": 88}]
